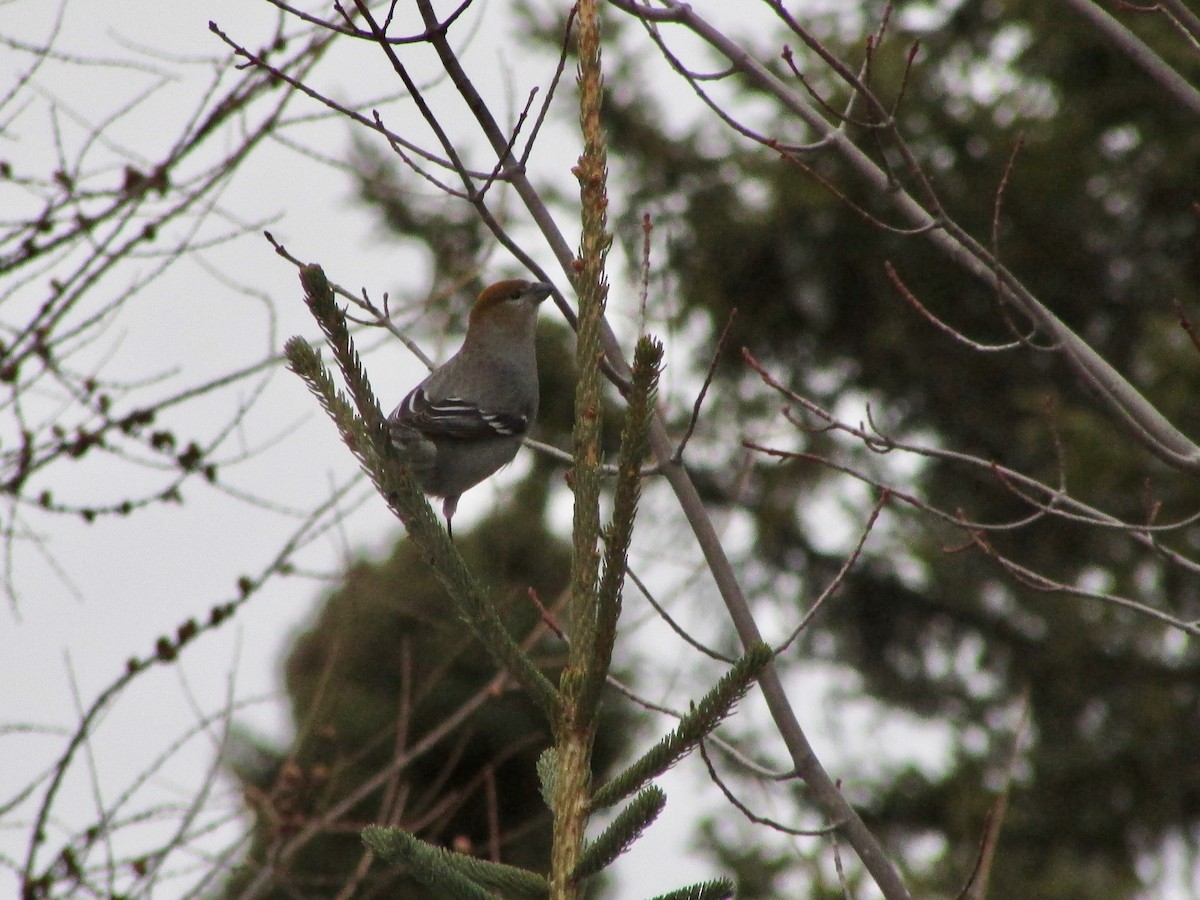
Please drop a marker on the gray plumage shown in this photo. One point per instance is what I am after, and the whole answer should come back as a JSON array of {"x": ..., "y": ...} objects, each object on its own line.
[{"x": 466, "y": 420}]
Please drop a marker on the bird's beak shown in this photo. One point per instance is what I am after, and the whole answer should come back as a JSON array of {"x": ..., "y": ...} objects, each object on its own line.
[{"x": 540, "y": 290}]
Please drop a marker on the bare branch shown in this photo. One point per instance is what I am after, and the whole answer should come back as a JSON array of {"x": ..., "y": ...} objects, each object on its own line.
[{"x": 1142, "y": 55}]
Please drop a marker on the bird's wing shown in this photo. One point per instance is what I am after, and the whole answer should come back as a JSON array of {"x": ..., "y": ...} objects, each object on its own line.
[{"x": 453, "y": 417}]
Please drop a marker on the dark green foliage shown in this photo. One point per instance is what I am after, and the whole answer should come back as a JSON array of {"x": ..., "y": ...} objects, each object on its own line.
[
  {"x": 387, "y": 649},
  {"x": 635, "y": 451},
  {"x": 626, "y": 828},
  {"x": 1097, "y": 219},
  {"x": 451, "y": 873}
]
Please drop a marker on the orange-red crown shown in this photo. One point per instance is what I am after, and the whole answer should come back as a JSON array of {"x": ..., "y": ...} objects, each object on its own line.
[{"x": 509, "y": 289}]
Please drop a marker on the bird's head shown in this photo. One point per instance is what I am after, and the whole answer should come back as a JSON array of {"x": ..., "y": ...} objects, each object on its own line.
[{"x": 507, "y": 307}]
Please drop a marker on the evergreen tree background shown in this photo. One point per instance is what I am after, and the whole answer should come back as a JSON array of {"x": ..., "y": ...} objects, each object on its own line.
[
  {"x": 385, "y": 653},
  {"x": 1099, "y": 218}
]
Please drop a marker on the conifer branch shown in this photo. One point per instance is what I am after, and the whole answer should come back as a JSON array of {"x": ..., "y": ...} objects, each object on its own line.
[
  {"x": 635, "y": 447},
  {"x": 718, "y": 889},
  {"x": 455, "y": 873},
  {"x": 626, "y": 828},
  {"x": 306, "y": 362},
  {"x": 576, "y": 727},
  {"x": 700, "y": 722}
]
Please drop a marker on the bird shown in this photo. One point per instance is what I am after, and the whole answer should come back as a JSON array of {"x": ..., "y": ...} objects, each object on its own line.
[{"x": 467, "y": 418}]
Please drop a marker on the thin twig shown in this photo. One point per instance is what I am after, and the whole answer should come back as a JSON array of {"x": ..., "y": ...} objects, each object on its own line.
[
  {"x": 748, "y": 813},
  {"x": 677, "y": 458}
]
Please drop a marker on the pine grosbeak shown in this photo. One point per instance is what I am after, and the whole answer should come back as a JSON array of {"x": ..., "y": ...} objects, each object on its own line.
[{"x": 467, "y": 418}]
